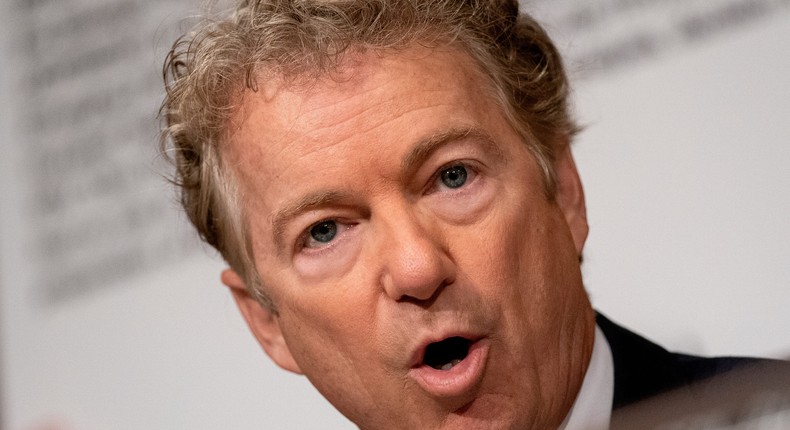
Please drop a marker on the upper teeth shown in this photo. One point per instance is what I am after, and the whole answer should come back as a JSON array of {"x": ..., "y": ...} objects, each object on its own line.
[{"x": 450, "y": 365}]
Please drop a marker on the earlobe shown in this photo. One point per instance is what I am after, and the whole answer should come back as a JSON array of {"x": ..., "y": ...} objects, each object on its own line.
[
  {"x": 570, "y": 196},
  {"x": 263, "y": 323}
]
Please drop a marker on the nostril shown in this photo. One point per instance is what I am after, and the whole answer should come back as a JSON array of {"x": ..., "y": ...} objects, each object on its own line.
[{"x": 447, "y": 353}]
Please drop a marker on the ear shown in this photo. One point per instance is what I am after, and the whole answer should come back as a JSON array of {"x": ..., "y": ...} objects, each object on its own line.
[
  {"x": 263, "y": 323},
  {"x": 570, "y": 196}
]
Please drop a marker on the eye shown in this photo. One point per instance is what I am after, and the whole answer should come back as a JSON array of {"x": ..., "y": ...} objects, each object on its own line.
[
  {"x": 324, "y": 231},
  {"x": 454, "y": 176},
  {"x": 323, "y": 234}
]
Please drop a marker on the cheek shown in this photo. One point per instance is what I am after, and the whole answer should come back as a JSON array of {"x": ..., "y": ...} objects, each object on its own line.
[
  {"x": 328, "y": 322},
  {"x": 521, "y": 257},
  {"x": 319, "y": 343},
  {"x": 510, "y": 242},
  {"x": 320, "y": 315},
  {"x": 335, "y": 344}
]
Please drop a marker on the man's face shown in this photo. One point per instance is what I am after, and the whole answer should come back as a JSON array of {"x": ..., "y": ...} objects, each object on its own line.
[{"x": 421, "y": 276}]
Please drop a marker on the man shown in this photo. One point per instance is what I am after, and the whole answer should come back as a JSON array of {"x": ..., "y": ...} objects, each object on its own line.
[{"x": 392, "y": 186}]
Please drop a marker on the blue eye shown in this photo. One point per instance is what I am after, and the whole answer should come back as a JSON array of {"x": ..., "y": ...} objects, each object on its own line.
[
  {"x": 454, "y": 177},
  {"x": 324, "y": 231}
]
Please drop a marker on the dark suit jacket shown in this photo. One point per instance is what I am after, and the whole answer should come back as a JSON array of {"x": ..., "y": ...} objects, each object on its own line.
[
  {"x": 643, "y": 369},
  {"x": 658, "y": 389}
]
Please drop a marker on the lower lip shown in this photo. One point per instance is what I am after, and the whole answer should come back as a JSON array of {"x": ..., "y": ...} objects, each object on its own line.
[{"x": 459, "y": 380}]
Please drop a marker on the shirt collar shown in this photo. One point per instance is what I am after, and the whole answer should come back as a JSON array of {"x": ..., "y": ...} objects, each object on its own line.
[{"x": 592, "y": 409}]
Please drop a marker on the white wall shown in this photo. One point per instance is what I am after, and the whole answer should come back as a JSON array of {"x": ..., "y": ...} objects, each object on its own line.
[{"x": 685, "y": 164}]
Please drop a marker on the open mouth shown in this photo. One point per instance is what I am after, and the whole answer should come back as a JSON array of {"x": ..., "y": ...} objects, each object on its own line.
[
  {"x": 452, "y": 367},
  {"x": 445, "y": 354}
]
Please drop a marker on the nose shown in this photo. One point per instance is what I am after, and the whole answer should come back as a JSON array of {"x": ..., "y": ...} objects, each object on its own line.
[{"x": 415, "y": 264}]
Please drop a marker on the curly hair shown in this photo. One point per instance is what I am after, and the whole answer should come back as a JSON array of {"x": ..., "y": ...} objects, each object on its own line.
[{"x": 209, "y": 68}]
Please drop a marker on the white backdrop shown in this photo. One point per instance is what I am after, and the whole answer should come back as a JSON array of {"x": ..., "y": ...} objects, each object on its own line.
[{"x": 685, "y": 160}]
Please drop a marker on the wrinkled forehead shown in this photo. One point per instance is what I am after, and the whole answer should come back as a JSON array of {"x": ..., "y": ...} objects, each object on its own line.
[{"x": 286, "y": 116}]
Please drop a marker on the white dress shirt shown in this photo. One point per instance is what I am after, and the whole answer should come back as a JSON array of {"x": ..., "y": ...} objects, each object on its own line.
[{"x": 592, "y": 409}]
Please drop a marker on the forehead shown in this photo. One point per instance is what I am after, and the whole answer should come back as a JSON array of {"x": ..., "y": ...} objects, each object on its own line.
[
  {"x": 282, "y": 109},
  {"x": 375, "y": 105}
]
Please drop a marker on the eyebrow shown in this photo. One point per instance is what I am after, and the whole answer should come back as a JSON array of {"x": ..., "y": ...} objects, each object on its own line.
[{"x": 426, "y": 147}]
